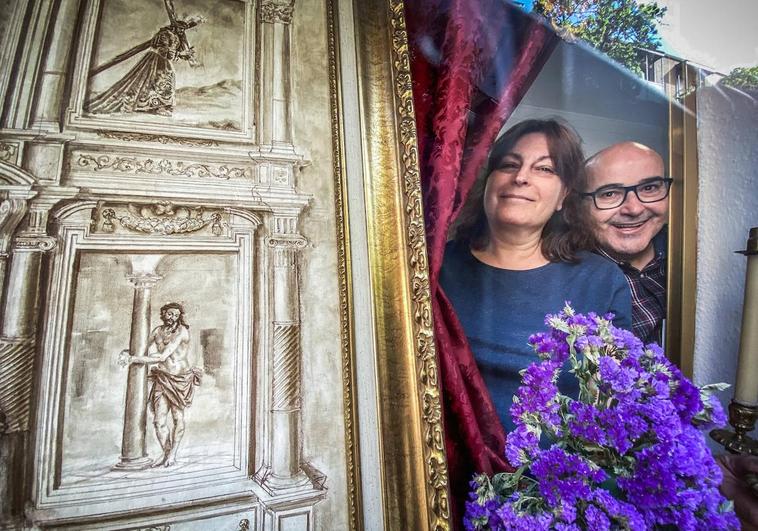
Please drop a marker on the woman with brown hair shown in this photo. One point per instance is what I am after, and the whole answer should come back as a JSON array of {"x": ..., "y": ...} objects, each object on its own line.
[{"x": 521, "y": 249}]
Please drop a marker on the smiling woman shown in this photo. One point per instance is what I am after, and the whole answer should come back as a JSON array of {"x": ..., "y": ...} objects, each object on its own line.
[{"x": 520, "y": 250}]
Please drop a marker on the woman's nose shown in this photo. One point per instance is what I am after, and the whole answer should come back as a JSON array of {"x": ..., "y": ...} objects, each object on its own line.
[{"x": 522, "y": 176}]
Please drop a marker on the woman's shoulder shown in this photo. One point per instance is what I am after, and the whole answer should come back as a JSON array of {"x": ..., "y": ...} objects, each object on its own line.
[{"x": 456, "y": 251}]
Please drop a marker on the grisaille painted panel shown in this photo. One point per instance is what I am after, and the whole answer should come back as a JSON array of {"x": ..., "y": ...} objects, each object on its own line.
[{"x": 174, "y": 350}]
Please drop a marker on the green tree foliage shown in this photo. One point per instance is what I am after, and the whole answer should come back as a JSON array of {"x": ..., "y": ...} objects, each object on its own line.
[
  {"x": 742, "y": 78},
  {"x": 615, "y": 27}
]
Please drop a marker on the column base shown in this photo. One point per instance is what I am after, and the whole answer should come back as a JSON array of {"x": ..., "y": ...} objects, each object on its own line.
[
  {"x": 277, "y": 485},
  {"x": 139, "y": 463}
]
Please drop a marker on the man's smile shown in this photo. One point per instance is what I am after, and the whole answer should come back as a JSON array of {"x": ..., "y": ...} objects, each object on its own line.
[{"x": 630, "y": 226}]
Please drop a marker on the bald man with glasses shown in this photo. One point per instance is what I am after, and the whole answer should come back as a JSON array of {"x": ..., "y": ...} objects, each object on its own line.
[{"x": 627, "y": 202}]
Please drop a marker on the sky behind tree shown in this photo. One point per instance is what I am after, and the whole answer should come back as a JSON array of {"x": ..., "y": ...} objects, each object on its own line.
[{"x": 720, "y": 34}]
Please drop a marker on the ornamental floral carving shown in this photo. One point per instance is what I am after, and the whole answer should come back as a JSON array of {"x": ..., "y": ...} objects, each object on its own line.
[
  {"x": 162, "y": 218},
  {"x": 271, "y": 12},
  {"x": 8, "y": 152},
  {"x": 162, "y": 139},
  {"x": 148, "y": 166}
]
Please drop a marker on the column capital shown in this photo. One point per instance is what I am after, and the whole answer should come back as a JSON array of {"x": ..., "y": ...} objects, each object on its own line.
[
  {"x": 12, "y": 211},
  {"x": 273, "y": 11},
  {"x": 32, "y": 242},
  {"x": 144, "y": 280},
  {"x": 287, "y": 241}
]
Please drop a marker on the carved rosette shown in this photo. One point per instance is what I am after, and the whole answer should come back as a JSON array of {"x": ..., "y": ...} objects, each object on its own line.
[
  {"x": 276, "y": 12},
  {"x": 16, "y": 376}
]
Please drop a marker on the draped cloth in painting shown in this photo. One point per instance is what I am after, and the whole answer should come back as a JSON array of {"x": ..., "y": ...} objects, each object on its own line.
[{"x": 472, "y": 61}]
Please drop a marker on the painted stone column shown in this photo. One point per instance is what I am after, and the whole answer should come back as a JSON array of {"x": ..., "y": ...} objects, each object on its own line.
[
  {"x": 12, "y": 211},
  {"x": 17, "y": 348},
  {"x": 276, "y": 119},
  {"x": 286, "y": 381},
  {"x": 48, "y": 111},
  {"x": 20, "y": 311},
  {"x": 133, "y": 441}
]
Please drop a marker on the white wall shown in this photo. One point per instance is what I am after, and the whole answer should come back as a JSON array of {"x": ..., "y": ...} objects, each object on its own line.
[{"x": 727, "y": 209}]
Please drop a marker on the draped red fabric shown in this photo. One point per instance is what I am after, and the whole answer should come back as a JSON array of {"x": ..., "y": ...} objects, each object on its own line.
[{"x": 472, "y": 61}]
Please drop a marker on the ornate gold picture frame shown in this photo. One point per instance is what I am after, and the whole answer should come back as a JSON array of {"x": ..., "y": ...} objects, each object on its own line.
[{"x": 288, "y": 238}]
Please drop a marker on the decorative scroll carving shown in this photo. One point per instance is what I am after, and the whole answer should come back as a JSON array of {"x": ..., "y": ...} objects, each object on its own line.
[
  {"x": 34, "y": 243},
  {"x": 162, "y": 139},
  {"x": 162, "y": 218},
  {"x": 244, "y": 525},
  {"x": 273, "y": 11},
  {"x": 16, "y": 364},
  {"x": 149, "y": 166},
  {"x": 286, "y": 367},
  {"x": 293, "y": 242},
  {"x": 436, "y": 461},
  {"x": 11, "y": 213},
  {"x": 9, "y": 152}
]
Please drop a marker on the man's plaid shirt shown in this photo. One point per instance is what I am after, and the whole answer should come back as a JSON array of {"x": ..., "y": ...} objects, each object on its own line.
[{"x": 648, "y": 294}]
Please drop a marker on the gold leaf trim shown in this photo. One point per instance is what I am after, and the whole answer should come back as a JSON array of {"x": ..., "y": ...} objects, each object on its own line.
[
  {"x": 344, "y": 274},
  {"x": 426, "y": 359}
]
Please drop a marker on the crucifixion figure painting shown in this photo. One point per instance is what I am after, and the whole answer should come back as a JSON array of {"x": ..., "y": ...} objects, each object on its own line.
[
  {"x": 172, "y": 379},
  {"x": 150, "y": 86}
]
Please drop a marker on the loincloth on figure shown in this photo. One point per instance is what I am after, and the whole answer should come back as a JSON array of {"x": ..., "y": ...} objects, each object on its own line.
[{"x": 177, "y": 389}]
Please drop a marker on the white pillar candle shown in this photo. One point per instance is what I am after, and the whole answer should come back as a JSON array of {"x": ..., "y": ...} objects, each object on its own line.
[{"x": 746, "y": 389}]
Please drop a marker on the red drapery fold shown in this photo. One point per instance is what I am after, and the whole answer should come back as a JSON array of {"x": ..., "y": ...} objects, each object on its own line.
[{"x": 472, "y": 62}]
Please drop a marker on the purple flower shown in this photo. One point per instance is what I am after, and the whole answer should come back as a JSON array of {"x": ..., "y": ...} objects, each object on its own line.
[
  {"x": 520, "y": 446},
  {"x": 537, "y": 396},
  {"x": 564, "y": 477},
  {"x": 596, "y": 519},
  {"x": 637, "y": 416}
]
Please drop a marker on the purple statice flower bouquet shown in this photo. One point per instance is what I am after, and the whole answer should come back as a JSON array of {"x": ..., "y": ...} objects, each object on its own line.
[{"x": 627, "y": 453}]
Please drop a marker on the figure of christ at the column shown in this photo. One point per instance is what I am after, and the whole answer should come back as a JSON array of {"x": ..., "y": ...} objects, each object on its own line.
[{"x": 173, "y": 380}]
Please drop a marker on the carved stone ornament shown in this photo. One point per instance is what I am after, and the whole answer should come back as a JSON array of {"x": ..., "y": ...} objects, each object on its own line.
[
  {"x": 148, "y": 166},
  {"x": 162, "y": 139},
  {"x": 8, "y": 152},
  {"x": 291, "y": 242},
  {"x": 280, "y": 12},
  {"x": 244, "y": 525},
  {"x": 34, "y": 243},
  {"x": 16, "y": 376},
  {"x": 162, "y": 218}
]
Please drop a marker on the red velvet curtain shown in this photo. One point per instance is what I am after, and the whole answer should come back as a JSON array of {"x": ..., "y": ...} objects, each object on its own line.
[{"x": 472, "y": 61}]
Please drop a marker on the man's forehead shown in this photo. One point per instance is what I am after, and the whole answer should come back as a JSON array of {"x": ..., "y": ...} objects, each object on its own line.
[{"x": 628, "y": 169}]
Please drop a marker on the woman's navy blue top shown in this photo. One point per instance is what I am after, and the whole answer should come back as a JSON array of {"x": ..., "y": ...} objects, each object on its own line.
[{"x": 500, "y": 308}]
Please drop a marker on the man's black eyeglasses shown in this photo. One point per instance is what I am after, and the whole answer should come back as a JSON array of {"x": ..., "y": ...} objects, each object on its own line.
[{"x": 613, "y": 196}]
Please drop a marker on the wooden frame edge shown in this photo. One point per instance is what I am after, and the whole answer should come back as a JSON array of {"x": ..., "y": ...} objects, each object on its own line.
[
  {"x": 344, "y": 268},
  {"x": 682, "y": 237},
  {"x": 414, "y": 464}
]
